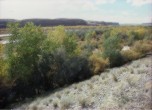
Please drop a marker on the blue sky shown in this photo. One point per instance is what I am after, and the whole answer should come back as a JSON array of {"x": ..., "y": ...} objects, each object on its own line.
[{"x": 123, "y": 11}]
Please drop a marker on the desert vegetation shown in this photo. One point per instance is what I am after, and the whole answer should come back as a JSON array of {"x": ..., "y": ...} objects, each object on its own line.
[
  {"x": 37, "y": 60},
  {"x": 123, "y": 88}
]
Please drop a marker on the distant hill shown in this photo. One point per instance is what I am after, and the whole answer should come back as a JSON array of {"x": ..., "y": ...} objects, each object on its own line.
[
  {"x": 55, "y": 22},
  {"x": 147, "y": 24},
  {"x": 3, "y": 22},
  {"x": 45, "y": 22},
  {"x": 98, "y": 23}
]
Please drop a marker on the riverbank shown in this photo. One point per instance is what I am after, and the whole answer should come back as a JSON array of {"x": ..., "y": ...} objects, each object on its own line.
[{"x": 127, "y": 87}]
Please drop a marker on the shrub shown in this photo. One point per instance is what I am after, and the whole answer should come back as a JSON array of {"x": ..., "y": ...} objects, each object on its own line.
[
  {"x": 23, "y": 53},
  {"x": 106, "y": 34},
  {"x": 130, "y": 55},
  {"x": 94, "y": 43},
  {"x": 62, "y": 64},
  {"x": 66, "y": 102},
  {"x": 3, "y": 68},
  {"x": 37, "y": 62},
  {"x": 94, "y": 35},
  {"x": 23, "y": 50},
  {"x": 142, "y": 46},
  {"x": 59, "y": 38},
  {"x": 54, "y": 40},
  {"x": 88, "y": 36},
  {"x": 89, "y": 47},
  {"x": 5, "y": 84},
  {"x": 98, "y": 64},
  {"x": 148, "y": 35},
  {"x": 72, "y": 70},
  {"x": 1, "y": 50},
  {"x": 85, "y": 102},
  {"x": 6, "y": 94},
  {"x": 134, "y": 36},
  {"x": 111, "y": 51},
  {"x": 70, "y": 45},
  {"x": 3, "y": 64},
  {"x": 60, "y": 69}
]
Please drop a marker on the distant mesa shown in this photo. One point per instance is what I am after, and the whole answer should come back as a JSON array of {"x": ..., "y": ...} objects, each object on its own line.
[
  {"x": 45, "y": 22},
  {"x": 56, "y": 22},
  {"x": 4, "y": 22},
  {"x": 98, "y": 23},
  {"x": 147, "y": 24}
]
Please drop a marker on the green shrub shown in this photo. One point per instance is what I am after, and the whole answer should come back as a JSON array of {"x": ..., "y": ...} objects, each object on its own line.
[
  {"x": 58, "y": 38},
  {"x": 61, "y": 69},
  {"x": 111, "y": 51},
  {"x": 3, "y": 65},
  {"x": 134, "y": 36},
  {"x": 62, "y": 64},
  {"x": 5, "y": 83},
  {"x": 37, "y": 62},
  {"x": 70, "y": 45},
  {"x": 23, "y": 50}
]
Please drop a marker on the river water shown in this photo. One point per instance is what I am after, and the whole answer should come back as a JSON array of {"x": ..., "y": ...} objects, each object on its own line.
[
  {"x": 4, "y": 35},
  {"x": 3, "y": 38}
]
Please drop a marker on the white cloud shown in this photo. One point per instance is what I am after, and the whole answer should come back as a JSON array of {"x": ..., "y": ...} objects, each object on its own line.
[
  {"x": 48, "y": 8},
  {"x": 98, "y": 2},
  {"x": 139, "y": 2},
  {"x": 85, "y": 9},
  {"x": 125, "y": 13}
]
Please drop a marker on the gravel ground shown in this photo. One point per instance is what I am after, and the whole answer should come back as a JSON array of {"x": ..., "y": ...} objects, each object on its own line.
[{"x": 125, "y": 88}]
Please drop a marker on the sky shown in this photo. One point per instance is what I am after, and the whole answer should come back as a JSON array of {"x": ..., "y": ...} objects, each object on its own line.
[{"x": 122, "y": 11}]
